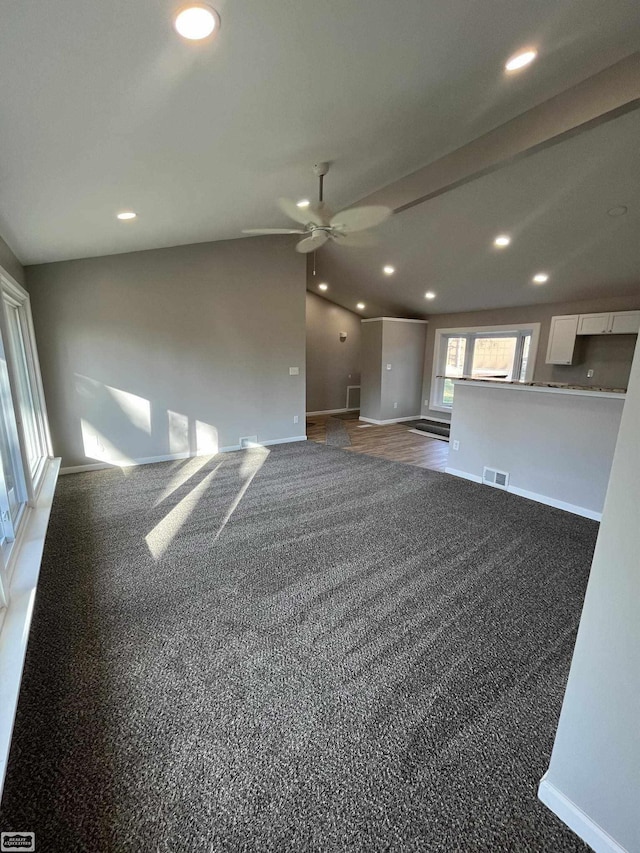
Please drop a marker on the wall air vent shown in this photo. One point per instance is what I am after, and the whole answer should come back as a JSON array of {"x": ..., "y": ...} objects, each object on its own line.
[{"x": 497, "y": 479}]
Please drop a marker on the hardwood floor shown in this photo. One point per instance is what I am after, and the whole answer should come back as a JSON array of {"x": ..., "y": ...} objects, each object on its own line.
[{"x": 392, "y": 441}]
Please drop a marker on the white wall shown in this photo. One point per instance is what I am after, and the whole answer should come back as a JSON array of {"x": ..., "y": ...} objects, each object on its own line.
[
  {"x": 395, "y": 392},
  {"x": 10, "y": 263},
  {"x": 171, "y": 351},
  {"x": 371, "y": 370},
  {"x": 593, "y": 781},
  {"x": 332, "y": 364},
  {"x": 556, "y": 445},
  {"x": 403, "y": 348}
]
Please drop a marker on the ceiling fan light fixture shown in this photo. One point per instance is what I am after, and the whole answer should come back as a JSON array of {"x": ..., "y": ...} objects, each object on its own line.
[
  {"x": 320, "y": 224},
  {"x": 196, "y": 22}
]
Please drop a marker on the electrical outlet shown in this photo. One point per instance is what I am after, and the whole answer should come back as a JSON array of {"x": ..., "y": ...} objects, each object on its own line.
[
  {"x": 589, "y": 374},
  {"x": 456, "y": 444},
  {"x": 295, "y": 419},
  {"x": 388, "y": 367}
]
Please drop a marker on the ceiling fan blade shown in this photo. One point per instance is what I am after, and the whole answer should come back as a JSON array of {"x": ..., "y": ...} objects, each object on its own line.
[
  {"x": 360, "y": 218},
  {"x": 322, "y": 210},
  {"x": 359, "y": 240},
  {"x": 310, "y": 244},
  {"x": 256, "y": 231},
  {"x": 303, "y": 215}
]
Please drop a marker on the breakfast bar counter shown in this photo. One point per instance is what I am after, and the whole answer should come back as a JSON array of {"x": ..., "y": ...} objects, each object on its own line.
[{"x": 551, "y": 443}]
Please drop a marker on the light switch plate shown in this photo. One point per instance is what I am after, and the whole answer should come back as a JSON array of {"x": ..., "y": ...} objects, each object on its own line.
[{"x": 294, "y": 371}]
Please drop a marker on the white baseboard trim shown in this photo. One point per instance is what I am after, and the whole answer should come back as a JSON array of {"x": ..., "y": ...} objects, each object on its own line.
[
  {"x": 436, "y": 420},
  {"x": 282, "y": 440},
  {"x": 544, "y": 499},
  {"x": 430, "y": 435},
  {"x": 331, "y": 411},
  {"x": 533, "y": 496},
  {"x": 390, "y": 421},
  {"x": 463, "y": 474},
  {"x": 571, "y": 814},
  {"x": 169, "y": 457}
]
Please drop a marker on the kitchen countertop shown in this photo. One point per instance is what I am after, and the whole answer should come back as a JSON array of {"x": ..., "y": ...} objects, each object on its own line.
[{"x": 553, "y": 387}]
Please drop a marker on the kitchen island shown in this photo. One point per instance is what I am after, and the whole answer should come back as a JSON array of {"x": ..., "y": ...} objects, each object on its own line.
[{"x": 549, "y": 442}]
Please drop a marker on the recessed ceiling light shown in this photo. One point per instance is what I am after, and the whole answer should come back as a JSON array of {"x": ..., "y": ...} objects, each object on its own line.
[
  {"x": 388, "y": 270},
  {"x": 127, "y": 214},
  {"x": 304, "y": 202},
  {"x": 323, "y": 286},
  {"x": 502, "y": 240},
  {"x": 429, "y": 295},
  {"x": 520, "y": 60},
  {"x": 360, "y": 306},
  {"x": 196, "y": 21},
  {"x": 541, "y": 278},
  {"x": 618, "y": 211}
]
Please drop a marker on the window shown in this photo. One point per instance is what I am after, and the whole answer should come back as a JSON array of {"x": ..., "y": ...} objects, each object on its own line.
[
  {"x": 500, "y": 353},
  {"x": 24, "y": 439},
  {"x": 28, "y": 401}
]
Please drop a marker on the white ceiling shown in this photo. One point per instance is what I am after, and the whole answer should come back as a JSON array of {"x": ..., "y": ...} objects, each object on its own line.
[
  {"x": 553, "y": 204},
  {"x": 103, "y": 107}
]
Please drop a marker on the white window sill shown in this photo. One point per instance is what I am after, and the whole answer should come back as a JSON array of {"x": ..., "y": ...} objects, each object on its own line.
[{"x": 14, "y": 633}]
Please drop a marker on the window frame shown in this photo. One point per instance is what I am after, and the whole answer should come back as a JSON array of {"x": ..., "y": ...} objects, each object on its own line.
[
  {"x": 519, "y": 329},
  {"x": 14, "y": 295}
]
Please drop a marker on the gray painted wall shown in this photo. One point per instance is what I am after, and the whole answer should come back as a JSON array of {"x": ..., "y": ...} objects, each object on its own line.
[
  {"x": 556, "y": 445},
  {"x": 331, "y": 363},
  {"x": 403, "y": 348},
  {"x": 595, "y": 762},
  {"x": 172, "y": 350},
  {"x": 10, "y": 263},
  {"x": 610, "y": 356},
  {"x": 371, "y": 371},
  {"x": 401, "y": 345}
]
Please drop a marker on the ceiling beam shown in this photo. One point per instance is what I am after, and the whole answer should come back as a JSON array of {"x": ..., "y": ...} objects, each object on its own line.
[{"x": 600, "y": 98}]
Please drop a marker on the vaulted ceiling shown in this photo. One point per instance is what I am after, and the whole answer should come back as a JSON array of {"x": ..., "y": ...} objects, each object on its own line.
[
  {"x": 554, "y": 206},
  {"x": 104, "y": 108}
]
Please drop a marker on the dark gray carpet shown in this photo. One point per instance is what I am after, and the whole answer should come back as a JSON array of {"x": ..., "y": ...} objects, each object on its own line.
[
  {"x": 337, "y": 433},
  {"x": 367, "y": 656}
]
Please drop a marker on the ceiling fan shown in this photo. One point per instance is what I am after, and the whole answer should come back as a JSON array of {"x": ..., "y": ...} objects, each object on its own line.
[{"x": 347, "y": 228}]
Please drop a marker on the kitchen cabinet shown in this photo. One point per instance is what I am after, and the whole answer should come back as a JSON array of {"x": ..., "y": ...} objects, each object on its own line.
[
  {"x": 609, "y": 323},
  {"x": 566, "y": 328},
  {"x": 562, "y": 339}
]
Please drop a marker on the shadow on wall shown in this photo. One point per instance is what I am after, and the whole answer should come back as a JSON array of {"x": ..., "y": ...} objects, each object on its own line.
[{"x": 112, "y": 419}]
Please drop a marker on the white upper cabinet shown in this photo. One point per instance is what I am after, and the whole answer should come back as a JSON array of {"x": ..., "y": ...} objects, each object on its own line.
[
  {"x": 613, "y": 323},
  {"x": 625, "y": 323},
  {"x": 562, "y": 339},
  {"x": 593, "y": 324}
]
